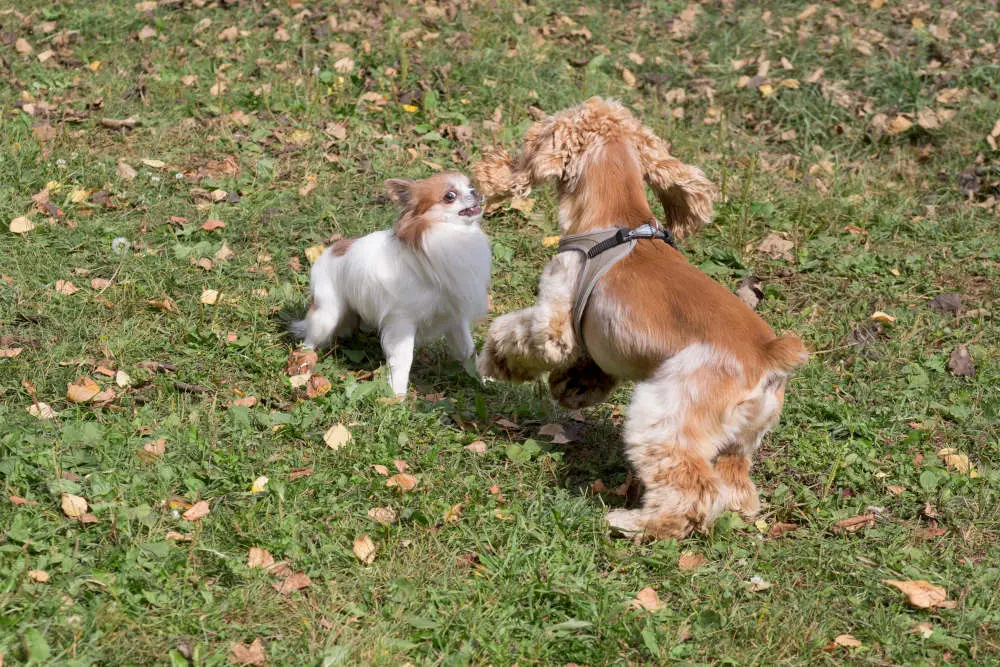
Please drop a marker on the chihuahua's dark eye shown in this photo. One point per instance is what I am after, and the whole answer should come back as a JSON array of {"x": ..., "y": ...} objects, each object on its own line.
[
  {"x": 450, "y": 196},
  {"x": 474, "y": 193}
]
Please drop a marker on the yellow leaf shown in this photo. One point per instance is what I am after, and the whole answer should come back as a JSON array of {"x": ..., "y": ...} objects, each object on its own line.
[
  {"x": 310, "y": 185},
  {"x": 364, "y": 549},
  {"x": 94, "y": 65},
  {"x": 155, "y": 164},
  {"x": 312, "y": 253},
  {"x": 917, "y": 22},
  {"x": 766, "y": 90},
  {"x": 628, "y": 77},
  {"x": 885, "y": 318},
  {"x": 410, "y": 108},
  {"x": 21, "y": 225},
  {"x": 122, "y": 379},
  {"x": 336, "y": 436},
  {"x": 259, "y": 485},
  {"x": 73, "y": 506},
  {"x": 550, "y": 241},
  {"x": 299, "y": 137},
  {"x": 453, "y": 513},
  {"x": 789, "y": 83}
]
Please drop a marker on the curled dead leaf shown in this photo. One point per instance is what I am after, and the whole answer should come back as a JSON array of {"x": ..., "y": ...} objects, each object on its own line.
[
  {"x": 66, "y": 287},
  {"x": 403, "y": 481},
  {"x": 197, "y": 511},
  {"x": 242, "y": 654},
  {"x": 41, "y": 410},
  {"x": 73, "y": 506},
  {"x": 646, "y": 599},
  {"x": 690, "y": 560},
  {"x": 82, "y": 391},
  {"x": 293, "y": 582},
  {"x": 923, "y": 594},
  {"x": 854, "y": 524},
  {"x": 364, "y": 549},
  {"x": 847, "y": 641},
  {"x": 336, "y": 436}
]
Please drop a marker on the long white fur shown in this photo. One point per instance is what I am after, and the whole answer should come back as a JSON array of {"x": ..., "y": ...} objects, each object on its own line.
[{"x": 411, "y": 296}]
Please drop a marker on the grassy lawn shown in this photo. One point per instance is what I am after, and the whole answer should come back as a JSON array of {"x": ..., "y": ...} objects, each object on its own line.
[{"x": 853, "y": 136}]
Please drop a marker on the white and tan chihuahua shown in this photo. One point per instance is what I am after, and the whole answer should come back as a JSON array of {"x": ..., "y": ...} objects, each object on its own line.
[{"x": 425, "y": 278}]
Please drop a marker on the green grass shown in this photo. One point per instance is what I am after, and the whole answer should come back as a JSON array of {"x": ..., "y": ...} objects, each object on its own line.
[{"x": 534, "y": 577}]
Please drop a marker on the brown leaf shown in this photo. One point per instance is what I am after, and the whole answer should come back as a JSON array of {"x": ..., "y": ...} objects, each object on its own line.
[
  {"x": 293, "y": 582},
  {"x": 120, "y": 123},
  {"x": 381, "y": 469},
  {"x": 476, "y": 447},
  {"x": 690, "y": 560},
  {"x": 364, "y": 549},
  {"x": 18, "y": 500},
  {"x": 400, "y": 465},
  {"x": 230, "y": 34},
  {"x": 317, "y": 386},
  {"x": 960, "y": 362},
  {"x": 165, "y": 304},
  {"x": 300, "y": 472},
  {"x": 259, "y": 558},
  {"x": 300, "y": 361},
  {"x": 896, "y": 490},
  {"x": 66, "y": 287},
  {"x": 927, "y": 118},
  {"x": 10, "y": 352},
  {"x": 73, "y": 506},
  {"x": 241, "y": 654},
  {"x": 82, "y": 391},
  {"x": 898, "y": 125},
  {"x": 780, "y": 529},
  {"x": 21, "y": 225},
  {"x": 854, "y": 524},
  {"x": 402, "y": 480},
  {"x": 453, "y": 513},
  {"x": 212, "y": 225},
  {"x": 847, "y": 641},
  {"x": 777, "y": 246},
  {"x": 178, "y": 537},
  {"x": 155, "y": 449},
  {"x": 923, "y": 594},
  {"x": 646, "y": 599},
  {"x": 224, "y": 254},
  {"x": 198, "y": 511},
  {"x": 336, "y": 436},
  {"x": 311, "y": 182},
  {"x": 41, "y": 576},
  {"x": 126, "y": 171},
  {"x": 384, "y": 515}
]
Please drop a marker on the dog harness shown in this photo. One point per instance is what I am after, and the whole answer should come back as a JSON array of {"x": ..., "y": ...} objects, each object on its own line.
[{"x": 601, "y": 250}]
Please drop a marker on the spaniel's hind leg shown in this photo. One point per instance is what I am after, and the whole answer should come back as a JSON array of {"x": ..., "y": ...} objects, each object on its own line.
[{"x": 581, "y": 385}]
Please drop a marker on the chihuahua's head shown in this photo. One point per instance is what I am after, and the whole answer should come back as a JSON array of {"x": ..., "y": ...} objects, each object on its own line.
[{"x": 442, "y": 199}]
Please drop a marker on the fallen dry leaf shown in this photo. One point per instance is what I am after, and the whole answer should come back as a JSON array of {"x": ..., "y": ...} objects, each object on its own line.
[
  {"x": 241, "y": 654},
  {"x": 381, "y": 469},
  {"x": 777, "y": 246},
  {"x": 209, "y": 297},
  {"x": 957, "y": 461},
  {"x": 198, "y": 511},
  {"x": 22, "y": 46},
  {"x": 453, "y": 513},
  {"x": 258, "y": 557},
  {"x": 364, "y": 549},
  {"x": 230, "y": 34},
  {"x": 73, "y": 506},
  {"x": 884, "y": 318},
  {"x": 550, "y": 241},
  {"x": 155, "y": 449},
  {"x": 41, "y": 576},
  {"x": 896, "y": 490},
  {"x": 66, "y": 287},
  {"x": 300, "y": 361},
  {"x": 41, "y": 411},
  {"x": 212, "y": 225},
  {"x": 100, "y": 284},
  {"x": 318, "y": 386},
  {"x": 848, "y": 641},
  {"x": 293, "y": 582},
  {"x": 21, "y": 225},
  {"x": 224, "y": 254},
  {"x": 259, "y": 485},
  {"x": 178, "y": 537},
  {"x": 757, "y": 584},
  {"x": 122, "y": 379},
  {"x": 923, "y": 594},
  {"x": 336, "y": 436},
  {"x": 126, "y": 171},
  {"x": 300, "y": 472},
  {"x": 82, "y": 391},
  {"x": 779, "y": 529},
  {"x": 960, "y": 362},
  {"x": 310, "y": 185},
  {"x": 854, "y": 524},
  {"x": 646, "y": 599},
  {"x": 898, "y": 125},
  {"x": 690, "y": 560},
  {"x": 384, "y": 515},
  {"x": 312, "y": 253},
  {"x": 924, "y": 629},
  {"x": 994, "y": 134},
  {"x": 400, "y": 465},
  {"x": 476, "y": 447},
  {"x": 404, "y": 481}
]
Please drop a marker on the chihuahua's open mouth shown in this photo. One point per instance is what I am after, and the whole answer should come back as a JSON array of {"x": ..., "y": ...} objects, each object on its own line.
[{"x": 471, "y": 211}]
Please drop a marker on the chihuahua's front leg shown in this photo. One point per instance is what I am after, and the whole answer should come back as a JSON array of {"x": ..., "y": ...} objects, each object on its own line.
[{"x": 398, "y": 339}]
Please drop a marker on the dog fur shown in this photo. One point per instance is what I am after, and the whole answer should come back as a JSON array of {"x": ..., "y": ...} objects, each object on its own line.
[
  {"x": 710, "y": 374},
  {"x": 425, "y": 278}
]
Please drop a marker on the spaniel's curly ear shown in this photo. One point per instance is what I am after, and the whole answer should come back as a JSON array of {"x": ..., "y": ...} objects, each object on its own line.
[
  {"x": 684, "y": 192},
  {"x": 498, "y": 178}
]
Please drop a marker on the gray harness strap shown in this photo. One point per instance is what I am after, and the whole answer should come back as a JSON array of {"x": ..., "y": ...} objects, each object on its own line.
[{"x": 601, "y": 250}]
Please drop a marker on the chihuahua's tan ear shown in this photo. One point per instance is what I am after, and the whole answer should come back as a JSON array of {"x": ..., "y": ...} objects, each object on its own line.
[
  {"x": 684, "y": 192},
  {"x": 400, "y": 191}
]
